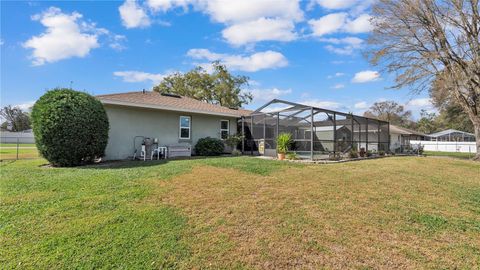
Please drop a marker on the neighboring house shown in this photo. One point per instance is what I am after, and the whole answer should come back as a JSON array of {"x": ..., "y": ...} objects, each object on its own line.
[
  {"x": 452, "y": 135},
  {"x": 401, "y": 137},
  {"x": 171, "y": 119}
]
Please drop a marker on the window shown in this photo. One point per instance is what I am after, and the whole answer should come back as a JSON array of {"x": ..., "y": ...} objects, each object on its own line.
[
  {"x": 185, "y": 125},
  {"x": 224, "y": 128}
]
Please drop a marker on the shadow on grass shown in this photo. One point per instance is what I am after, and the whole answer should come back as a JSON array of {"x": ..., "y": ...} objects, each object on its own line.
[{"x": 125, "y": 164}]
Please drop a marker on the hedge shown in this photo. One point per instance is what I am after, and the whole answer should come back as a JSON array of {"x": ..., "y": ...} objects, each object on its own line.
[{"x": 70, "y": 127}]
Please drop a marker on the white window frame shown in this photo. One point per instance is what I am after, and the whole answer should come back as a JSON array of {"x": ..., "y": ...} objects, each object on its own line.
[
  {"x": 222, "y": 129},
  {"x": 180, "y": 127}
]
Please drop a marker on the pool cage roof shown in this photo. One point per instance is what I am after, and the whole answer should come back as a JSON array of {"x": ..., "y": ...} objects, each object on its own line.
[{"x": 317, "y": 133}]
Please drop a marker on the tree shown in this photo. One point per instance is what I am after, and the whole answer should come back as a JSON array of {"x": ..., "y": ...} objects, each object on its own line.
[
  {"x": 16, "y": 118},
  {"x": 390, "y": 111},
  {"x": 219, "y": 87},
  {"x": 427, "y": 122},
  {"x": 451, "y": 114},
  {"x": 419, "y": 40},
  {"x": 70, "y": 127}
]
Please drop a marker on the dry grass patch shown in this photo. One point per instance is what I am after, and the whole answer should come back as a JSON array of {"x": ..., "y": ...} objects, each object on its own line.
[{"x": 390, "y": 213}]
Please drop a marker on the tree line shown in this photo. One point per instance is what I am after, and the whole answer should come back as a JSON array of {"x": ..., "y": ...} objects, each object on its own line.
[{"x": 446, "y": 117}]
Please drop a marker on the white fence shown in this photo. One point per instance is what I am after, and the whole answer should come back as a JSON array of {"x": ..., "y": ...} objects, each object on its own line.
[
  {"x": 463, "y": 147},
  {"x": 14, "y": 137}
]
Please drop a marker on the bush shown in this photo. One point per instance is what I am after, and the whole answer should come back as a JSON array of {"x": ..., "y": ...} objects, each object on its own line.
[
  {"x": 209, "y": 147},
  {"x": 236, "y": 152},
  {"x": 233, "y": 140},
  {"x": 381, "y": 153},
  {"x": 292, "y": 156},
  {"x": 353, "y": 154},
  {"x": 335, "y": 156},
  {"x": 70, "y": 127}
]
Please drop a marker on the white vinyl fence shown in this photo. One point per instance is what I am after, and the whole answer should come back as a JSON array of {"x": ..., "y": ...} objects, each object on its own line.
[
  {"x": 14, "y": 137},
  {"x": 463, "y": 147}
]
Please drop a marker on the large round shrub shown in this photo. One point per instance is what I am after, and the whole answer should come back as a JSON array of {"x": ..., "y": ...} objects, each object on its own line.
[
  {"x": 209, "y": 147},
  {"x": 70, "y": 127}
]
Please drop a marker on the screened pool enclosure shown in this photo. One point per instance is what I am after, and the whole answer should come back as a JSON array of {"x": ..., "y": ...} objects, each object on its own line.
[{"x": 317, "y": 133}]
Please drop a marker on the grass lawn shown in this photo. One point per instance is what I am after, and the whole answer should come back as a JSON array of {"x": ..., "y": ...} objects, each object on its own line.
[
  {"x": 242, "y": 212},
  {"x": 25, "y": 151},
  {"x": 449, "y": 154},
  {"x": 15, "y": 145}
]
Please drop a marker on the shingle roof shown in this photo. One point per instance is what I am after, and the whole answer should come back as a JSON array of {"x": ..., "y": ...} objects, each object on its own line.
[{"x": 155, "y": 100}]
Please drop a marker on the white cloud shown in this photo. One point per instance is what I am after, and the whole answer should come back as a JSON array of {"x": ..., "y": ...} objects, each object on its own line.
[
  {"x": 64, "y": 37},
  {"x": 353, "y": 41},
  {"x": 268, "y": 94},
  {"x": 133, "y": 15},
  {"x": 344, "y": 46},
  {"x": 250, "y": 10},
  {"x": 338, "y": 86},
  {"x": 260, "y": 30},
  {"x": 340, "y": 22},
  {"x": 165, "y": 5},
  {"x": 117, "y": 42},
  {"x": 25, "y": 106},
  {"x": 338, "y": 74},
  {"x": 336, "y": 4},
  {"x": 328, "y": 24},
  {"x": 354, "y": 6},
  {"x": 359, "y": 25},
  {"x": 420, "y": 102},
  {"x": 366, "y": 76},
  {"x": 361, "y": 105},
  {"x": 250, "y": 63},
  {"x": 246, "y": 21},
  {"x": 322, "y": 104},
  {"x": 139, "y": 76}
]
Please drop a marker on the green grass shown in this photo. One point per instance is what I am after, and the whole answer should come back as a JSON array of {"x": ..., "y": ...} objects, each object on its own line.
[
  {"x": 25, "y": 151},
  {"x": 241, "y": 212},
  {"x": 449, "y": 154},
  {"x": 15, "y": 145}
]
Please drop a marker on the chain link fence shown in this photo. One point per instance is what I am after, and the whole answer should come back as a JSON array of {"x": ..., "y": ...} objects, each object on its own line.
[{"x": 13, "y": 148}]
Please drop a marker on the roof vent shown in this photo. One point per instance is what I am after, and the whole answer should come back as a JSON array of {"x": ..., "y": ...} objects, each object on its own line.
[{"x": 171, "y": 95}]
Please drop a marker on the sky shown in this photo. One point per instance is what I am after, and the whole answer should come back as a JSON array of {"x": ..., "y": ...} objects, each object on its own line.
[{"x": 302, "y": 51}]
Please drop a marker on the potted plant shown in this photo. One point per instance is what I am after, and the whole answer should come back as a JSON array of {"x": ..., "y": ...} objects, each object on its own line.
[
  {"x": 284, "y": 140},
  {"x": 232, "y": 141}
]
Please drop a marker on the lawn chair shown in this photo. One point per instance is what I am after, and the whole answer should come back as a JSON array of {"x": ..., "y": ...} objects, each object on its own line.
[{"x": 161, "y": 151}]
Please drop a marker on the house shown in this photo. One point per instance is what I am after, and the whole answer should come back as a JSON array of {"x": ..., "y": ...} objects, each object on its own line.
[
  {"x": 400, "y": 137},
  {"x": 171, "y": 119},
  {"x": 452, "y": 135}
]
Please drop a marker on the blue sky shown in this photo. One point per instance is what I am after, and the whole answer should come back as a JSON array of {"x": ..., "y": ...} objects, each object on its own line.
[{"x": 308, "y": 52}]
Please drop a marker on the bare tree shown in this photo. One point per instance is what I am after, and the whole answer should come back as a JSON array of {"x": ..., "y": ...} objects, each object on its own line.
[
  {"x": 16, "y": 118},
  {"x": 419, "y": 40},
  {"x": 389, "y": 111}
]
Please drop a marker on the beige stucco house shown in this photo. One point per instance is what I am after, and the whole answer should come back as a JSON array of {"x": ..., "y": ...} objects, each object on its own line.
[{"x": 172, "y": 120}]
